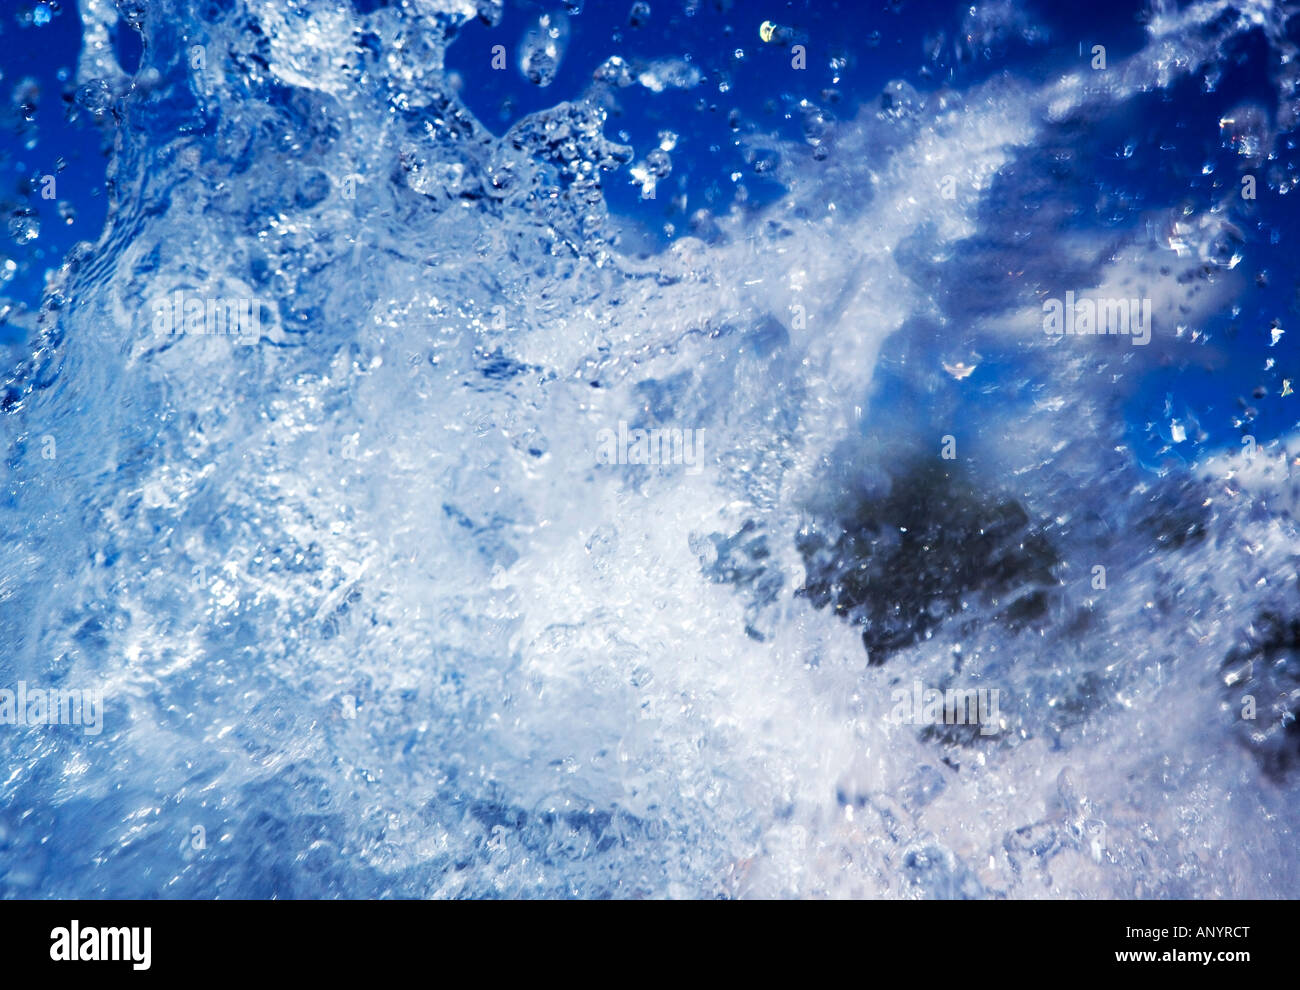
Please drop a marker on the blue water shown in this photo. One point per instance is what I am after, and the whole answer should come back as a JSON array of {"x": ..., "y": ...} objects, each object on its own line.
[{"x": 371, "y": 616}]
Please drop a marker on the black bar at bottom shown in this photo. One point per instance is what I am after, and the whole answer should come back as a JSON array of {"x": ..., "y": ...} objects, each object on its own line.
[{"x": 143, "y": 940}]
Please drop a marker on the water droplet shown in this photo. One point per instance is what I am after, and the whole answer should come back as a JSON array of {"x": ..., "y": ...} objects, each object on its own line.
[
  {"x": 132, "y": 11},
  {"x": 659, "y": 163},
  {"x": 542, "y": 49},
  {"x": 616, "y": 71},
  {"x": 24, "y": 226},
  {"x": 490, "y": 11},
  {"x": 95, "y": 96}
]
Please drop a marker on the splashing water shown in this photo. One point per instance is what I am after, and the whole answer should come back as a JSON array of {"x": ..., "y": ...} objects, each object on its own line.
[{"x": 372, "y": 616}]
